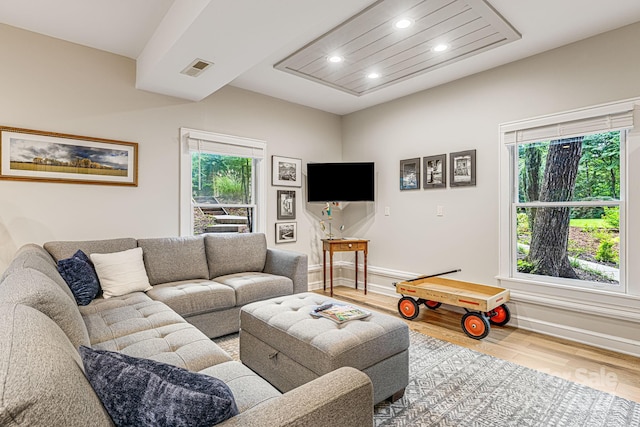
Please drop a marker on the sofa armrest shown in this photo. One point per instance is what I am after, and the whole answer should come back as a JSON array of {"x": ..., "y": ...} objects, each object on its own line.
[
  {"x": 289, "y": 264},
  {"x": 343, "y": 397}
]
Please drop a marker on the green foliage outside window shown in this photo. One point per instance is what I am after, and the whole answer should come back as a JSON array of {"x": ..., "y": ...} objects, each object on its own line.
[{"x": 221, "y": 179}]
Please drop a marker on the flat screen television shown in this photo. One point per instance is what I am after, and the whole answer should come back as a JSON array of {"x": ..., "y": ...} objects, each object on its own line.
[{"x": 340, "y": 182}]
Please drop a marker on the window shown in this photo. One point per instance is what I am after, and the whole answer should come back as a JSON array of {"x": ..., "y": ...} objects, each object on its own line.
[
  {"x": 566, "y": 199},
  {"x": 222, "y": 183}
]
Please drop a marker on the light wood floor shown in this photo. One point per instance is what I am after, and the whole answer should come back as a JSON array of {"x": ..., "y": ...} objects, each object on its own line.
[{"x": 604, "y": 370}]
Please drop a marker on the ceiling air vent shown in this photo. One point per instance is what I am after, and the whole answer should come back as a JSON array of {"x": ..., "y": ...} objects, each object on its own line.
[{"x": 197, "y": 67}]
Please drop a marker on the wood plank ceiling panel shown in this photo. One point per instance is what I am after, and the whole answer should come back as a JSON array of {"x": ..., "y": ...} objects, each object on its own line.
[{"x": 369, "y": 42}]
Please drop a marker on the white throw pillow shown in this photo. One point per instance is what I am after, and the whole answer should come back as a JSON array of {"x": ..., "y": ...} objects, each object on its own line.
[{"x": 121, "y": 273}]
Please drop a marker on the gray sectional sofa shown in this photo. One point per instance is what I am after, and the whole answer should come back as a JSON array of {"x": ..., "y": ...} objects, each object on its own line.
[{"x": 198, "y": 285}]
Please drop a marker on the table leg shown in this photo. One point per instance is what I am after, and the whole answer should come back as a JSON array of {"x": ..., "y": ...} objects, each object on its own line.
[
  {"x": 331, "y": 272},
  {"x": 356, "y": 268},
  {"x": 324, "y": 270},
  {"x": 365, "y": 272}
]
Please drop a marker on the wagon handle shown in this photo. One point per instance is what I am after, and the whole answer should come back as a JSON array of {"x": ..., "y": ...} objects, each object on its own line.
[{"x": 429, "y": 275}]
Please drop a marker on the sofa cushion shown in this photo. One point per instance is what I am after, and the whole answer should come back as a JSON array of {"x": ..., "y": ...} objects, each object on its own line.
[
  {"x": 250, "y": 287},
  {"x": 174, "y": 259},
  {"x": 65, "y": 249},
  {"x": 121, "y": 273},
  {"x": 35, "y": 257},
  {"x": 189, "y": 298},
  {"x": 179, "y": 344},
  {"x": 100, "y": 304},
  {"x": 81, "y": 277},
  {"x": 104, "y": 325},
  {"x": 248, "y": 387},
  {"x": 167, "y": 395},
  {"x": 34, "y": 289},
  {"x": 229, "y": 253},
  {"x": 41, "y": 375}
]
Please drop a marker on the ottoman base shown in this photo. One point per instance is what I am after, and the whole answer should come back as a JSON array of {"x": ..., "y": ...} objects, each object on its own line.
[{"x": 389, "y": 376}]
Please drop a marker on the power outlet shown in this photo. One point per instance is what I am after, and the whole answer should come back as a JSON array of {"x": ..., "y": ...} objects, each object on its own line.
[
  {"x": 387, "y": 211},
  {"x": 440, "y": 210}
]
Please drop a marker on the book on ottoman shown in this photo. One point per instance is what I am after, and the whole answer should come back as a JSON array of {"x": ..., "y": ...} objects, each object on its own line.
[{"x": 340, "y": 313}]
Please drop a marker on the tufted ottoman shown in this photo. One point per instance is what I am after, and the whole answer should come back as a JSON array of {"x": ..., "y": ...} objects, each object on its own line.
[{"x": 288, "y": 347}]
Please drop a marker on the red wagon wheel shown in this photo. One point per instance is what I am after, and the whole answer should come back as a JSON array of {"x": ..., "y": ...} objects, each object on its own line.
[
  {"x": 408, "y": 308},
  {"x": 432, "y": 304},
  {"x": 500, "y": 315},
  {"x": 475, "y": 325}
]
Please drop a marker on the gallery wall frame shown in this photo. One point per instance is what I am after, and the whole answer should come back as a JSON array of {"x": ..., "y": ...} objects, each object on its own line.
[
  {"x": 434, "y": 171},
  {"x": 286, "y": 171},
  {"x": 34, "y": 155},
  {"x": 286, "y": 232},
  {"x": 410, "y": 174},
  {"x": 462, "y": 168},
  {"x": 286, "y": 204}
]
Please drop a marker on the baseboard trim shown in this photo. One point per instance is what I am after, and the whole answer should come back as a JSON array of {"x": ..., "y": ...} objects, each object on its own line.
[{"x": 583, "y": 336}]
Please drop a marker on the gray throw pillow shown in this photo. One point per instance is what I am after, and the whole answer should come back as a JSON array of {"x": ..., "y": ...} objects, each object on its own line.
[
  {"x": 80, "y": 276},
  {"x": 143, "y": 392}
]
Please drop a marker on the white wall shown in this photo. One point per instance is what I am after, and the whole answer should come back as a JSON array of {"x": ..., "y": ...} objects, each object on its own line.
[
  {"x": 51, "y": 85},
  {"x": 465, "y": 115}
]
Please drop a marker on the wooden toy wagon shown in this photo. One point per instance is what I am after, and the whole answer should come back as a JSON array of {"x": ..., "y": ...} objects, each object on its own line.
[{"x": 484, "y": 305}]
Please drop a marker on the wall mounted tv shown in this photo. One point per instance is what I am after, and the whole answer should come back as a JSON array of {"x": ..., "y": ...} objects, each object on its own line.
[{"x": 340, "y": 182}]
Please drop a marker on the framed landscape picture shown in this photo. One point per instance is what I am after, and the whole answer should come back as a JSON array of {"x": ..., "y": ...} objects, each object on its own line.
[
  {"x": 410, "y": 174},
  {"x": 434, "y": 170},
  {"x": 286, "y": 232},
  {"x": 32, "y": 155},
  {"x": 286, "y": 204},
  {"x": 463, "y": 168},
  {"x": 286, "y": 171}
]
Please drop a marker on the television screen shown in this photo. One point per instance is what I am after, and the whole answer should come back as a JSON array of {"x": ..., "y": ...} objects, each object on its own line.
[{"x": 340, "y": 182}]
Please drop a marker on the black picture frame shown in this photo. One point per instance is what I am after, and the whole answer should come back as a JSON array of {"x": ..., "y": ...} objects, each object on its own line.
[
  {"x": 286, "y": 204},
  {"x": 410, "y": 174},
  {"x": 462, "y": 168},
  {"x": 434, "y": 171},
  {"x": 286, "y": 232},
  {"x": 286, "y": 171}
]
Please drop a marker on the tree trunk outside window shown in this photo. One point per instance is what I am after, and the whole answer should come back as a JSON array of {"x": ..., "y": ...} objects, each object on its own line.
[{"x": 550, "y": 234}]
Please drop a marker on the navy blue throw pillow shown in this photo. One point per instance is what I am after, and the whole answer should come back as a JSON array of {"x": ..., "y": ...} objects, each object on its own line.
[
  {"x": 143, "y": 392},
  {"x": 81, "y": 277}
]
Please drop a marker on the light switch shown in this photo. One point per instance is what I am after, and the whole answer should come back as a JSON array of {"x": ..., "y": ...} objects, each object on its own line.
[
  {"x": 440, "y": 210},
  {"x": 387, "y": 211}
]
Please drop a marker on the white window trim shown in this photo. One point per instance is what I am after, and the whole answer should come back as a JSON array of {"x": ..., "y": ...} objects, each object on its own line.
[
  {"x": 609, "y": 303},
  {"x": 257, "y": 149}
]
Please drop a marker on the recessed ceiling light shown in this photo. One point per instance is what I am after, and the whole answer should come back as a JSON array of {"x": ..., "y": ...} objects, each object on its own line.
[
  {"x": 403, "y": 23},
  {"x": 441, "y": 47},
  {"x": 335, "y": 59},
  {"x": 373, "y": 75}
]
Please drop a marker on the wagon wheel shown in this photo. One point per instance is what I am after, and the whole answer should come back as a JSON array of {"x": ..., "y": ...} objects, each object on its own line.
[
  {"x": 500, "y": 315},
  {"x": 408, "y": 308},
  {"x": 432, "y": 304},
  {"x": 475, "y": 325}
]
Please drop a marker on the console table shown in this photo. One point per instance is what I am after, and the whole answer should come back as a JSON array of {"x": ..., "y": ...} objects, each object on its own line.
[{"x": 342, "y": 245}]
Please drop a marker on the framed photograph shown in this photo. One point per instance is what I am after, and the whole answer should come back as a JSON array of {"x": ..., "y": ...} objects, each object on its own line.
[
  {"x": 462, "y": 168},
  {"x": 32, "y": 155},
  {"x": 286, "y": 204},
  {"x": 286, "y": 172},
  {"x": 434, "y": 170},
  {"x": 410, "y": 174},
  {"x": 286, "y": 232}
]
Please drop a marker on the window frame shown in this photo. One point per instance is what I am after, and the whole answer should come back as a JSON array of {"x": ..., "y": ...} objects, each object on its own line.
[
  {"x": 534, "y": 287},
  {"x": 228, "y": 145}
]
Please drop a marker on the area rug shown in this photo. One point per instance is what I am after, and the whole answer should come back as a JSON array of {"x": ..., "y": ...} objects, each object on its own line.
[{"x": 453, "y": 386}]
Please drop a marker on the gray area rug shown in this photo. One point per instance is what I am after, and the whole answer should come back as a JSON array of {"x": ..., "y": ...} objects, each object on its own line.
[{"x": 451, "y": 385}]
